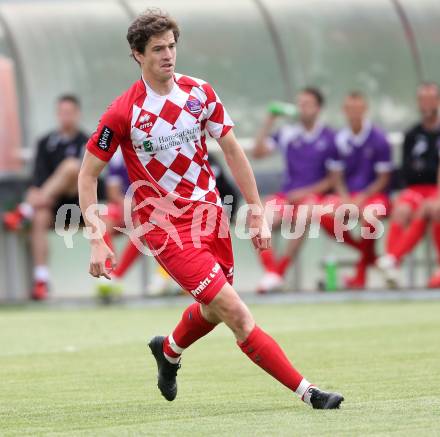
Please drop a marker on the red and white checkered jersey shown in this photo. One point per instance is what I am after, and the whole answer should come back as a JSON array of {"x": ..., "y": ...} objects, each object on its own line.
[{"x": 163, "y": 138}]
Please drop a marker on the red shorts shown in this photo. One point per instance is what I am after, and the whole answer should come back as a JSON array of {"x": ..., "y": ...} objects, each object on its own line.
[
  {"x": 376, "y": 199},
  {"x": 280, "y": 200},
  {"x": 415, "y": 195},
  {"x": 201, "y": 264}
]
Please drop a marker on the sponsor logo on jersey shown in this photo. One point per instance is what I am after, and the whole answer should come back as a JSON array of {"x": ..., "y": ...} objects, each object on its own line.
[
  {"x": 144, "y": 122},
  {"x": 165, "y": 142},
  {"x": 105, "y": 138},
  {"x": 148, "y": 145},
  {"x": 144, "y": 118},
  {"x": 194, "y": 106}
]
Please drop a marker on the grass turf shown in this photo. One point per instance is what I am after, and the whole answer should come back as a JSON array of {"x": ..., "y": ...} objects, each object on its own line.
[{"x": 87, "y": 372}]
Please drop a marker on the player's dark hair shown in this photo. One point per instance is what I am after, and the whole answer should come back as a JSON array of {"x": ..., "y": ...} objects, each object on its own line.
[
  {"x": 355, "y": 94},
  {"x": 316, "y": 93},
  {"x": 69, "y": 98},
  {"x": 150, "y": 23}
]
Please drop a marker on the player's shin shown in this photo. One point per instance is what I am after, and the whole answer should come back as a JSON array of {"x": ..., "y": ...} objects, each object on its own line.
[
  {"x": 265, "y": 352},
  {"x": 191, "y": 327}
]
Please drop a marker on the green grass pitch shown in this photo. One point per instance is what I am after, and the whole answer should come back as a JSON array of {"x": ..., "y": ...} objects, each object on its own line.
[{"x": 87, "y": 372}]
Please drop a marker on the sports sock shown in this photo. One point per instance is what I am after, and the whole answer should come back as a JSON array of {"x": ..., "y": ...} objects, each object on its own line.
[
  {"x": 191, "y": 327},
  {"x": 265, "y": 352},
  {"x": 367, "y": 258},
  {"x": 283, "y": 265},
  {"x": 268, "y": 260},
  {"x": 328, "y": 223},
  {"x": 41, "y": 273},
  {"x": 436, "y": 235},
  {"x": 26, "y": 210},
  {"x": 410, "y": 238},
  {"x": 128, "y": 256},
  {"x": 395, "y": 233}
]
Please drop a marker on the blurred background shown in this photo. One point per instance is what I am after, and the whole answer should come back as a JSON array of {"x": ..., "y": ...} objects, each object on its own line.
[{"x": 252, "y": 52}]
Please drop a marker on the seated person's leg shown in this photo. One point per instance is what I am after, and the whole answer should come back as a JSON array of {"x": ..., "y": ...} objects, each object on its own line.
[
  {"x": 368, "y": 239},
  {"x": 403, "y": 210},
  {"x": 403, "y": 239},
  {"x": 299, "y": 227},
  {"x": 332, "y": 225},
  {"x": 276, "y": 205},
  {"x": 433, "y": 211},
  {"x": 41, "y": 222},
  {"x": 63, "y": 182}
]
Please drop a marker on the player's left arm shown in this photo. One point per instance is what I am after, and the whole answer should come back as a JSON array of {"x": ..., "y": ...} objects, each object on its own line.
[{"x": 244, "y": 177}]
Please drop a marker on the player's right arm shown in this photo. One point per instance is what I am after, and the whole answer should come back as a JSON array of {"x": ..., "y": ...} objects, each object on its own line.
[
  {"x": 100, "y": 148},
  {"x": 87, "y": 188}
]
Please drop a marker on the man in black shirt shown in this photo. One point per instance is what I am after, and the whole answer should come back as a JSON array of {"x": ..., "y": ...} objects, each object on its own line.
[
  {"x": 54, "y": 182},
  {"x": 412, "y": 209}
]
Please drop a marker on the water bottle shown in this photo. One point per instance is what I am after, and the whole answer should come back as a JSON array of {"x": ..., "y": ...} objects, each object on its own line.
[
  {"x": 283, "y": 108},
  {"x": 331, "y": 273}
]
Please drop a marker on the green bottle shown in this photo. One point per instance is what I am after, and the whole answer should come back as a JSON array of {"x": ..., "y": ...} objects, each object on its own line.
[
  {"x": 331, "y": 274},
  {"x": 283, "y": 109}
]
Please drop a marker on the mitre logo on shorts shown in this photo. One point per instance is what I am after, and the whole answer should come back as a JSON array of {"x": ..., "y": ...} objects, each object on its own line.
[
  {"x": 105, "y": 138},
  {"x": 194, "y": 106}
]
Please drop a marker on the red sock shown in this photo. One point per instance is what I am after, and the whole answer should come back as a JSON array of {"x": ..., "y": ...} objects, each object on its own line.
[
  {"x": 192, "y": 327},
  {"x": 265, "y": 352},
  {"x": 129, "y": 255},
  {"x": 436, "y": 235},
  {"x": 328, "y": 223},
  {"x": 410, "y": 238},
  {"x": 268, "y": 260},
  {"x": 394, "y": 237},
  {"x": 283, "y": 264},
  {"x": 368, "y": 256}
]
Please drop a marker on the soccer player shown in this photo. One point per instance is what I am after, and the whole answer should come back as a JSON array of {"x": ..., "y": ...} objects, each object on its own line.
[
  {"x": 413, "y": 208},
  {"x": 54, "y": 179},
  {"x": 161, "y": 124},
  {"x": 364, "y": 173},
  {"x": 117, "y": 184},
  {"x": 308, "y": 151}
]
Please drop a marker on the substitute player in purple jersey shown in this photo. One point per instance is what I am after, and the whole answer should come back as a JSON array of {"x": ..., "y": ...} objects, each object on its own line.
[
  {"x": 308, "y": 151},
  {"x": 364, "y": 164},
  {"x": 161, "y": 123}
]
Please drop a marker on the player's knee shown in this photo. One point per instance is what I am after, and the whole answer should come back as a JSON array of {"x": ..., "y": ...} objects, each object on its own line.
[
  {"x": 241, "y": 321},
  {"x": 209, "y": 314},
  {"x": 401, "y": 214},
  {"x": 430, "y": 211},
  {"x": 70, "y": 167}
]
